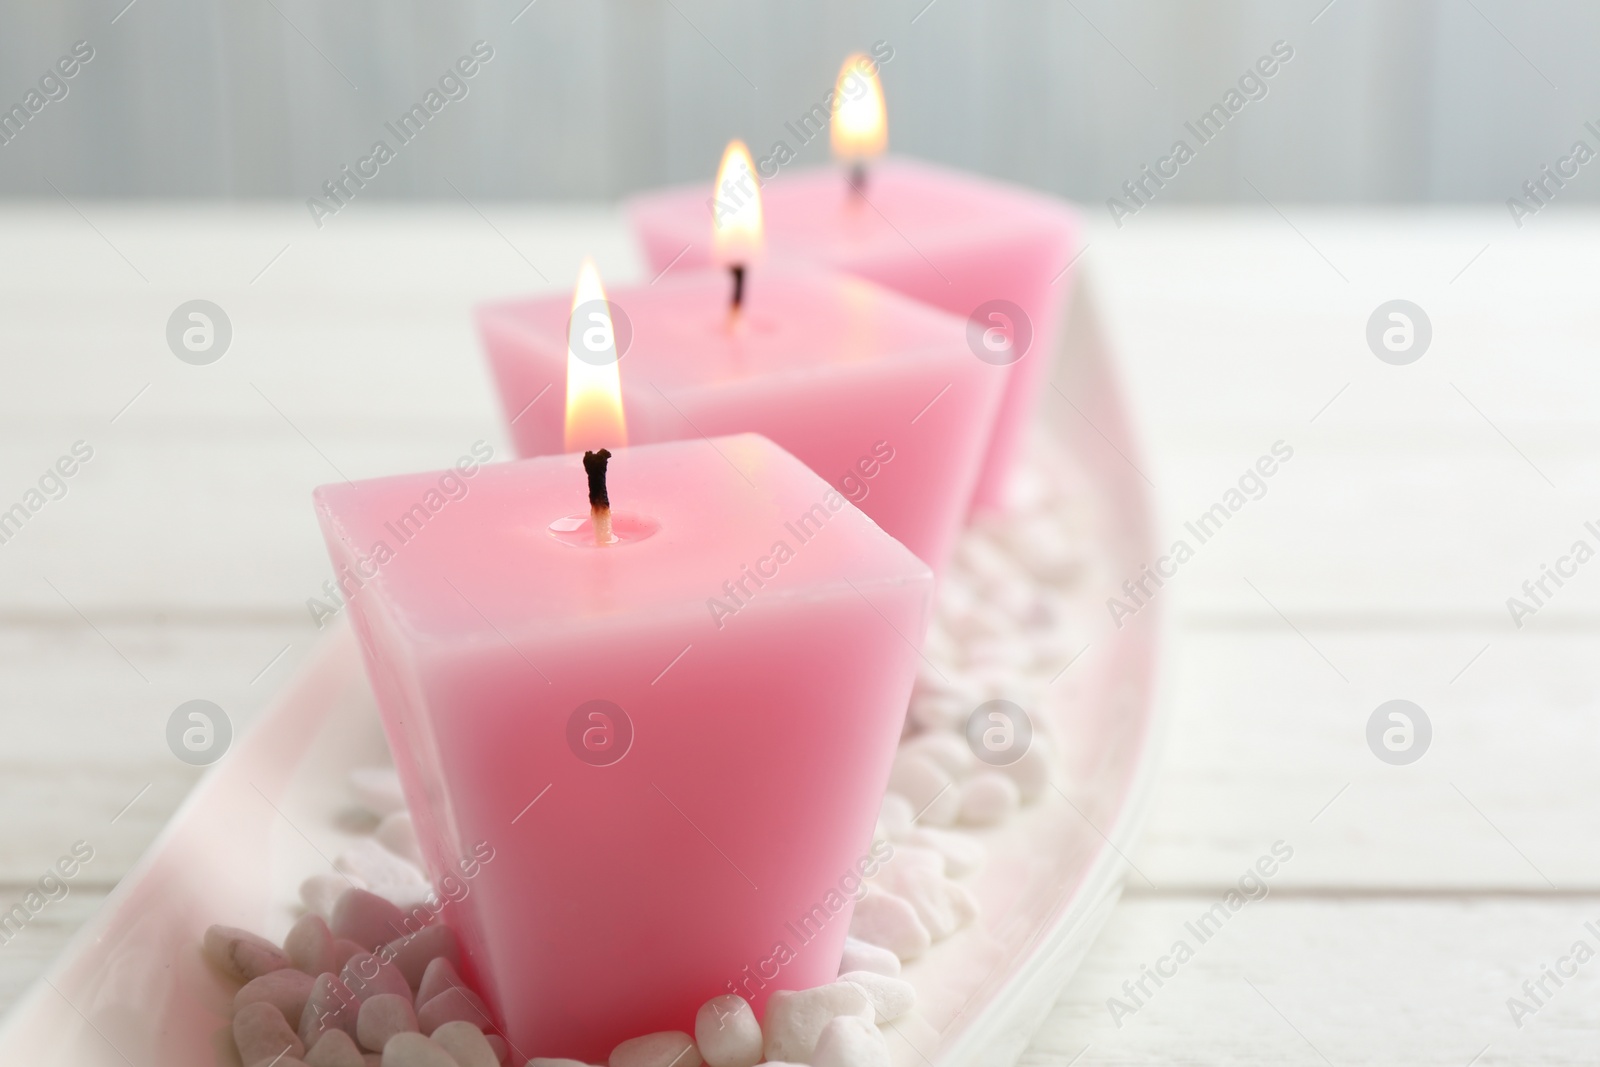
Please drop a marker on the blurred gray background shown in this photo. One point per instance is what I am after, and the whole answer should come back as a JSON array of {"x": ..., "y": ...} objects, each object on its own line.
[{"x": 1384, "y": 100}]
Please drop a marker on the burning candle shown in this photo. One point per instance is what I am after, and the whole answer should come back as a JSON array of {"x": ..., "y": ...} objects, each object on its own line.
[
  {"x": 675, "y": 738},
  {"x": 994, "y": 254},
  {"x": 877, "y": 393}
]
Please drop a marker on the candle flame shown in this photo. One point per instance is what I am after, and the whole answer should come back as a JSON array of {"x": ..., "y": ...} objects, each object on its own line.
[
  {"x": 594, "y": 387},
  {"x": 736, "y": 208},
  {"x": 860, "y": 128}
]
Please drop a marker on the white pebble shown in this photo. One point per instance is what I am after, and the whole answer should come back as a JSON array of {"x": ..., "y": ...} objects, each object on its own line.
[
  {"x": 890, "y": 922},
  {"x": 894, "y": 816},
  {"x": 398, "y": 835},
  {"x": 961, "y": 853},
  {"x": 413, "y": 954},
  {"x": 241, "y": 955},
  {"x": 795, "y": 1019},
  {"x": 453, "y": 1005},
  {"x": 1031, "y": 773},
  {"x": 890, "y": 997},
  {"x": 381, "y": 1017},
  {"x": 939, "y": 711},
  {"x": 414, "y": 1050},
  {"x": 367, "y": 976},
  {"x": 330, "y": 1007},
  {"x": 367, "y": 919},
  {"x": 261, "y": 1033},
  {"x": 850, "y": 1042},
  {"x": 321, "y": 892},
  {"x": 669, "y": 1048},
  {"x": 862, "y": 956},
  {"x": 988, "y": 799},
  {"x": 378, "y": 790},
  {"x": 497, "y": 1044},
  {"x": 726, "y": 1032},
  {"x": 933, "y": 796},
  {"x": 948, "y": 750},
  {"x": 917, "y": 876},
  {"x": 439, "y": 975},
  {"x": 309, "y": 945},
  {"x": 286, "y": 989},
  {"x": 466, "y": 1045},
  {"x": 343, "y": 950},
  {"x": 386, "y": 874},
  {"x": 334, "y": 1049}
]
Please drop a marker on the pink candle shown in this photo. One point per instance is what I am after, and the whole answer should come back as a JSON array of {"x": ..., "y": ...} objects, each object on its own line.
[
  {"x": 976, "y": 248},
  {"x": 675, "y": 744},
  {"x": 878, "y": 394}
]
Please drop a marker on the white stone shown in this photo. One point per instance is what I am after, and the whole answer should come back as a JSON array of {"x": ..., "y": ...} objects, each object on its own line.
[
  {"x": 861, "y": 956},
  {"x": 413, "y": 954},
  {"x": 321, "y": 892},
  {"x": 367, "y": 976},
  {"x": 890, "y": 997},
  {"x": 948, "y": 750},
  {"x": 309, "y": 945},
  {"x": 962, "y": 854},
  {"x": 1031, "y": 773},
  {"x": 286, "y": 989},
  {"x": 850, "y": 1042},
  {"x": 378, "y": 790},
  {"x": 414, "y": 1050},
  {"x": 669, "y": 1048},
  {"x": 890, "y": 922},
  {"x": 727, "y": 1033},
  {"x": 939, "y": 710},
  {"x": 367, "y": 919},
  {"x": 398, "y": 835},
  {"x": 453, "y": 1005},
  {"x": 794, "y": 1019},
  {"x": 384, "y": 873},
  {"x": 894, "y": 816},
  {"x": 989, "y": 798},
  {"x": 934, "y": 798},
  {"x": 334, "y": 1049},
  {"x": 439, "y": 975},
  {"x": 330, "y": 1007},
  {"x": 917, "y": 876},
  {"x": 241, "y": 955},
  {"x": 381, "y": 1017},
  {"x": 261, "y": 1033},
  {"x": 466, "y": 1045}
]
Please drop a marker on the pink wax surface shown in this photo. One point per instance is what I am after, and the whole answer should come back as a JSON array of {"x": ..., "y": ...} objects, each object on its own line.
[
  {"x": 943, "y": 237},
  {"x": 620, "y": 897},
  {"x": 878, "y": 394}
]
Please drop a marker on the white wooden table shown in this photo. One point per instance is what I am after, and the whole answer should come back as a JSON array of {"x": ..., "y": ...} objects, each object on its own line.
[{"x": 1418, "y": 899}]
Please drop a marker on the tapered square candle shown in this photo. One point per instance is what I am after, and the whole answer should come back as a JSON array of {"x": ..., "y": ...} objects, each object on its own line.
[
  {"x": 674, "y": 742},
  {"x": 878, "y": 394},
  {"x": 993, "y": 254}
]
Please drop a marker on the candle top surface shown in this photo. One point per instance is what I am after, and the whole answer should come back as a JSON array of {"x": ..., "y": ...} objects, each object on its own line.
[
  {"x": 456, "y": 556},
  {"x": 795, "y": 320},
  {"x": 905, "y": 206}
]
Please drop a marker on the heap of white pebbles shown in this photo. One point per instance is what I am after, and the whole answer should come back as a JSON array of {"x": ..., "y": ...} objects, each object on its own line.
[{"x": 343, "y": 991}]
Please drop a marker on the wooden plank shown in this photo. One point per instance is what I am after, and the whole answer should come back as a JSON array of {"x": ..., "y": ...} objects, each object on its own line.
[
  {"x": 1317, "y": 981},
  {"x": 86, "y": 754},
  {"x": 1268, "y": 742}
]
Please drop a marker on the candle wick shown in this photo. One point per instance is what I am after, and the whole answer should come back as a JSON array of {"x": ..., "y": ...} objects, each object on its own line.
[
  {"x": 737, "y": 270},
  {"x": 594, "y": 465},
  {"x": 858, "y": 177}
]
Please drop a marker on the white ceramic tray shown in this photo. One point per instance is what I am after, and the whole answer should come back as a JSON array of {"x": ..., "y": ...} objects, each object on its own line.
[{"x": 131, "y": 987}]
